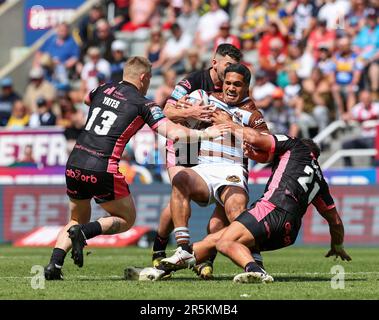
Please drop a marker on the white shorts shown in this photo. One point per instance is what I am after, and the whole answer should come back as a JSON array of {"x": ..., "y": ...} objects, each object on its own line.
[{"x": 220, "y": 175}]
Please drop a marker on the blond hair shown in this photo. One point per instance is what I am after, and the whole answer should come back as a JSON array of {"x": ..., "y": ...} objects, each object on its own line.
[{"x": 135, "y": 67}]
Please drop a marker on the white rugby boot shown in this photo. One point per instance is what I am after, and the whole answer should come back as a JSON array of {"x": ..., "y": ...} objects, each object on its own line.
[{"x": 181, "y": 259}]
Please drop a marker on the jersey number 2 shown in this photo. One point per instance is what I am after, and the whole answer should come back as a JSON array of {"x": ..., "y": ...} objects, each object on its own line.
[
  {"x": 305, "y": 180},
  {"x": 109, "y": 119}
]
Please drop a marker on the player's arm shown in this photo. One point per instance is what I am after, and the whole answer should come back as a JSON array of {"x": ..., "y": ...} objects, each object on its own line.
[
  {"x": 325, "y": 206},
  {"x": 153, "y": 116},
  {"x": 174, "y": 131}
]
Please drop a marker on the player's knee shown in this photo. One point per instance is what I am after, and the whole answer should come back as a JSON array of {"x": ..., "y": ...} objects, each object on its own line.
[
  {"x": 233, "y": 211},
  {"x": 181, "y": 182},
  {"x": 222, "y": 246},
  {"x": 215, "y": 225}
]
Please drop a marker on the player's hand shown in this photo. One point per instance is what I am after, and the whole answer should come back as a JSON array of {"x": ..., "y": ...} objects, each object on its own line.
[
  {"x": 182, "y": 103},
  {"x": 215, "y": 131},
  {"x": 338, "y": 251},
  {"x": 257, "y": 155},
  {"x": 219, "y": 116},
  {"x": 200, "y": 112}
]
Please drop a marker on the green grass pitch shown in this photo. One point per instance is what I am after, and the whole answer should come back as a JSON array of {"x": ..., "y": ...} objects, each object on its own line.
[{"x": 299, "y": 273}]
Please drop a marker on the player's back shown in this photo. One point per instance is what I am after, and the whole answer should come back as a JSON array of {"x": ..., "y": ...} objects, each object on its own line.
[
  {"x": 297, "y": 178},
  {"x": 114, "y": 117}
]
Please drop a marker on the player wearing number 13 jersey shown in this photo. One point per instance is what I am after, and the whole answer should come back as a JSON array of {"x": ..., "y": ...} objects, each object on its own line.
[{"x": 117, "y": 112}]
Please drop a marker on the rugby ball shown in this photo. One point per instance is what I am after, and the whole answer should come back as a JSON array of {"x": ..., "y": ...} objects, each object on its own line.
[{"x": 198, "y": 97}]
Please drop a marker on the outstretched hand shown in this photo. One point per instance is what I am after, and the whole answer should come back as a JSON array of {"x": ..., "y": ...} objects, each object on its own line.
[
  {"x": 219, "y": 116},
  {"x": 338, "y": 251}
]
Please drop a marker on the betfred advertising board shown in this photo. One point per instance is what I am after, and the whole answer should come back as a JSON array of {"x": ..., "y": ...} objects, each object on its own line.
[{"x": 359, "y": 210}]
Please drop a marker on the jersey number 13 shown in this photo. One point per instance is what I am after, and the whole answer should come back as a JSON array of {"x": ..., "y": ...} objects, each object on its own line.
[{"x": 108, "y": 120}]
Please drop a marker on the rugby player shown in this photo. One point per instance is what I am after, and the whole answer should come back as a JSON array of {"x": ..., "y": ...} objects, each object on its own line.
[
  {"x": 221, "y": 175},
  {"x": 179, "y": 110},
  {"x": 117, "y": 111},
  {"x": 273, "y": 221}
]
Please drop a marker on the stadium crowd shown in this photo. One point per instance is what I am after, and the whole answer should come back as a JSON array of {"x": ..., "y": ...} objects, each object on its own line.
[{"x": 312, "y": 61}]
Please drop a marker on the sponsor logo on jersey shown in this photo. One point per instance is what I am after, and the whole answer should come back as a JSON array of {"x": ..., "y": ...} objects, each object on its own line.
[
  {"x": 259, "y": 121},
  {"x": 157, "y": 113},
  {"x": 111, "y": 102},
  {"x": 185, "y": 83},
  {"x": 178, "y": 92},
  {"x": 233, "y": 178}
]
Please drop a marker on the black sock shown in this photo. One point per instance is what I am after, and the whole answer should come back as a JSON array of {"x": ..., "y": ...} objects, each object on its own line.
[
  {"x": 212, "y": 257},
  {"x": 91, "y": 229},
  {"x": 253, "y": 267},
  {"x": 160, "y": 243},
  {"x": 57, "y": 257},
  {"x": 186, "y": 246}
]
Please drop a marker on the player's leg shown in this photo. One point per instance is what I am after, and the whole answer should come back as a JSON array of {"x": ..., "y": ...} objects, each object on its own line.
[
  {"x": 217, "y": 222},
  {"x": 123, "y": 215},
  {"x": 235, "y": 243},
  {"x": 80, "y": 211},
  {"x": 165, "y": 226},
  {"x": 187, "y": 185},
  {"x": 235, "y": 201}
]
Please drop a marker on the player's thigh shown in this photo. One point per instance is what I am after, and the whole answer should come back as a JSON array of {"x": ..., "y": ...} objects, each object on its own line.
[
  {"x": 123, "y": 208},
  {"x": 218, "y": 219},
  {"x": 238, "y": 232},
  {"x": 192, "y": 184},
  {"x": 235, "y": 201},
  {"x": 172, "y": 171},
  {"x": 80, "y": 210}
]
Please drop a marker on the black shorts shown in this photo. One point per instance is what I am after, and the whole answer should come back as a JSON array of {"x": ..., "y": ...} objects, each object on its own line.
[
  {"x": 87, "y": 184},
  {"x": 272, "y": 229}
]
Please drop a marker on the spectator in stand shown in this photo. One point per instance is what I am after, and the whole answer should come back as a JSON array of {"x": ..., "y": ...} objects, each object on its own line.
[
  {"x": 103, "y": 39},
  {"x": 94, "y": 71},
  {"x": 275, "y": 30},
  {"x": 19, "y": 118},
  {"x": 189, "y": 18},
  {"x": 274, "y": 61},
  {"x": 304, "y": 16},
  {"x": 365, "y": 110},
  {"x": 325, "y": 62},
  {"x": 208, "y": 27},
  {"x": 275, "y": 12},
  {"x": 250, "y": 53},
  {"x": 121, "y": 13},
  {"x": 142, "y": 14},
  {"x": 174, "y": 52},
  {"x": 334, "y": 12},
  {"x": 224, "y": 36},
  {"x": 155, "y": 46},
  {"x": 299, "y": 60},
  {"x": 73, "y": 130},
  {"x": 63, "y": 50},
  {"x": 44, "y": 116},
  {"x": 346, "y": 76},
  {"x": 165, "y": 90},
  {"x": 281, "y": 118},
  {"x": 251, "y": 18},
  {"x": 366, "y": 45},
  {"x": 292, "y": 89},
  {"x": 320, "y": 37},
  {"x": 7, "y": 98},
  {"x": 86, "y": 30},
  {"x": 315, "y": 104},
  {"x": 193, "y": 62},
  {"x": 118, "y": 60},
  {"x": 262, "y": 90},
  {"x": 355, "y": 18},
  {"x": 38, "y": 87}
]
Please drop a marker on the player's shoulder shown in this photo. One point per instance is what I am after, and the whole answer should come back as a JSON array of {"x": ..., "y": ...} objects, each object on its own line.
[
  {"x": 193, "y": 80},
  {"x": 248, "y": 104}
]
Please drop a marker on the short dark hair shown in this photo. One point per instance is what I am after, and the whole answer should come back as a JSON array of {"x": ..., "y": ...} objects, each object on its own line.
[
  {"x": 227, "y": 49},
  {"x": 240, "y": 69},
  {"x": 313, "y": 146}
]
